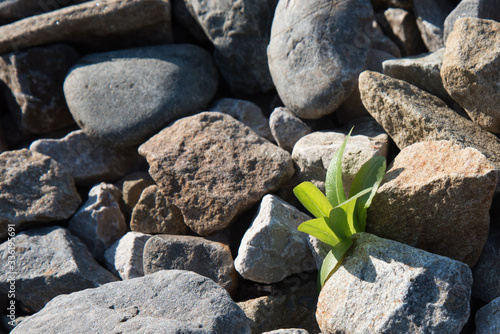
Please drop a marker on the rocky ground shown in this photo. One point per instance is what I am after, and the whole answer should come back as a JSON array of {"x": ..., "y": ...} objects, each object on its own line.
[{"x": 150, "y": 149}]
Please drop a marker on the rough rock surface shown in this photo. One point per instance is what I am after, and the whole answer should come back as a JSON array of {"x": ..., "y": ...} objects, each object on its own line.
[
  {"x": 272, "y": 248},
  {"x": 471, "y": 70},
  {"x": 311, "y": 53},
  {"x": 486, "y": 272},
  {"x": 48, "y": 262},
  {"x": 384, "y": 286},
  {"x": 15, "y": 10},
  {"x": 150, "y": 87},
  {"x": 487, "y": 319},
  {"x": 430, "y": 20},
  {"x": 132, "y": 187},
  {"x": 34, "y": 188},
  {"x": 170, "y": 301},
  {"x": 436, "y": 196},
  {"x": 287, "y": 128},
  {"x": 208, "y": 258},
  {"x": 213, "y": 167},
  {"x": 288, "y": 331}
]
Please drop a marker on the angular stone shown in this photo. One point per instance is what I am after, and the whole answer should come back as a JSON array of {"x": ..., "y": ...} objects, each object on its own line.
[
  {"x": 153, "y": 213},
  {"x": 124, "y": 257},
  {"x": 384, "y": 286},
  {"x": 170, "y": 301},
  {"x": 471, "y": 70},
  {"x": 379, "y": 41},
  {"x": 181, "y": 80},
  {"x": 33, "y": 189},
  {"x": 48, "y": 262},
  {"x": 94, "y": 24},
  {"x": 287, "y": 128},
  {"x": 430, "y": 20},
  {"x": 15, "y": 10},
  {"x": 132, "y": 187},
  {"x": 89, "y": 162},
  {"x": 319, "y": 250},
  {"x": 288, "y": 331},
  {"x": 272, "y": 248},
  {"x": 213, "y": 168},
  {"x": 100, "y": 221},
  {"x": 486, "y": 272},
  {"x": 487, "y": 319},
  {"x": 316, "y": 52}
]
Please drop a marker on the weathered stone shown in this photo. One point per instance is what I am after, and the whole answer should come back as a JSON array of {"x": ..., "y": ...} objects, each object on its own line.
[
  {"x": 471, "y": 70},
  {"x": 436, "y": 196},
  {"x": 287, "y": 128},
  {"x": 430, "y": 20},
  {"x": 312, "y": 58},
  {"x": 288, "y": 331},
  {"x": 319, "y": 250},
  {"x": 33, "y": 188},
  {"x": 153, "y": 213},
  {"x": 170, "y": 301},
  {"x": 384, "y": 286},
  {"x": 487, "y": 319},
  {"x": 124, "y": 257},
  {"x": 132, "y": 187},
  {"x": 486, "y": 272},
  {"x": 100, "y": 221},
  {"x": 98, "y": 24},
  {"x": 181, "y": 13},
  {"x": 15, "y": 10},
  {"x": 213, "y": 168},
  {"x": 150, "y": 87},
  {"x": 272, "y": 248},
  {"x": 48, "y": 262},
  {"x": 87, "y": 161}
]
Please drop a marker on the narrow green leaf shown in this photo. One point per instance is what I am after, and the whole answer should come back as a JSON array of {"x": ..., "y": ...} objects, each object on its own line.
[
  {"x": 352, "y": 218},
  {"x": 333, "y": 183},
  {"x": 313, "y": 199},
  {"x": 333, "y": 260},
  {"x": 319, "y": 228},
  {"x": 358, "y": 195},
  {"x": 338, "y": 223}
]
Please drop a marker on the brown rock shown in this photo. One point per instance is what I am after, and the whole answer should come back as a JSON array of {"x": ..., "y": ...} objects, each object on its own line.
[
  {"x": 213, "y": 168},
  {"x": 436, "y": 196},
  {"x": 132, "y": 187},
  {"x": 14, "y": 10}
]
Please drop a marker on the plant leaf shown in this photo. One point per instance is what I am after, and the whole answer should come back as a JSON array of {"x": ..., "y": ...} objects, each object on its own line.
[
  {"x": 333, "y": 260},
  {"x": 338, "y": 223},
  {"x": 313, "y": 199},
  {"x": 319, "y": 228},
  {"x": 333, "y": 183}
]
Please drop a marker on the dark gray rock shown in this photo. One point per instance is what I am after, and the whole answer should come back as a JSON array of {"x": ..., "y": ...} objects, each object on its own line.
[
  {"x": 132, "y": 187},
  {"x": 15, "y": 10},
  {"x": 430, "y": 20},
  {"x": 487, "y": 319},
  {"x": 486, "y": 272},
  {"x": 287, "y": 128},
  {"x": 170, "y": 301},
  {"x": 379, "y": 41},
  {"x": 288, "y": 331},
  {"x": 121, "y": 98},
  {"x": 48, "y": 262}
]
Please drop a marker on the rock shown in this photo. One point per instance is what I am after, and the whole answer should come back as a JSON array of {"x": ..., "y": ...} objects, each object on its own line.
[
  {"x": 98, "y": 24},
  {"x": 213, "y": 168},
  {"x": 436, "y": 196},
  {"x": 132, "y": 187},
  {"x": 89, "y": 162},
  {"x": 486, "y": 272},
  {"x": 471, "y": 66},
  {"x": 384, "y": 286},
  {"x": 288, "y": 331},
  {"x": 181, "y": 13},
  {"x": 124, "y": 257},
  {"x": 33, "y": 189},
  {"x": 430, "y": 20},
  {"x": 380, "y": 42},
  {"x": 34, "y": 78},
  {"x": 247, "y": 113},
  {"x": 170, "y": 301},
  {"x": 100, "y": 221},
  {"x": 145, "y": 106},
  {"x": 272, "y": 248},
  {"x": 48, "y": 262},
  {"x": 487, "y": 319},
  {"x": 15, "y": 10},
  {"x": 287, "y": 128},
  {"x": 319, "y": 250},
  {"x": 316, "y": 53},
  {"x": 208, "y": 258},
  {"x": 155, "y": 214}
]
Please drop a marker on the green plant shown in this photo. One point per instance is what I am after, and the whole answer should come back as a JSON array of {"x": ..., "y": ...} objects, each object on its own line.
[{"x": 339, "y": 217}]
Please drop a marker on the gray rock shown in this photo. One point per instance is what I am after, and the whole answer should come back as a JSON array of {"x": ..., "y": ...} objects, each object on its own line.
[
  {"x": 272, "y": 248},
  {"x": 98, "y": 24},
  {"x": 471, "y": 70},
  {"x": 486, "y": 272},
  {"x": 48, "y": 262},
  {"x": 87, "y": 161},
  {"x": 149, "y": 87},
  {"x": 15, "y": 10},
  {"x": 379, "y": 41},
  {"x": 487, "y": 319},
  {"x": 132, "y": 187},
  {"x": 100, "y": 221},
  {"x": 384, "y": 286},
  {"x": 181, "y": 13},
  {"x": 430, "y": 20},
  {"x": 170, "y": 301},
  {"x": 288, "y": 331},
  {"x": 33, "y": 189},
  {"x": 213, "y": 168},
  {"x": 317, "y": 51},
  {"x": 124, "y": 257},
  {"x": 208, "y": 258},
  {"x": 319, "y": 250},
  {"x": 287, "y": 128}
]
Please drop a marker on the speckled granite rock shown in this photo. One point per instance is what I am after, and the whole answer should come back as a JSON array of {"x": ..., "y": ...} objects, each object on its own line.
[
  {"x": 486, "y": 272},
  {"x": 287, "y": 128},
  {"x": 487, "y": 319}
]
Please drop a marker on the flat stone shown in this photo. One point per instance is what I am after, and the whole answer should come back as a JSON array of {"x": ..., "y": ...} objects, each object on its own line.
[
  {"x": 100, "y": 221},
  {"x": 136, "y": 108},
  {"x": 34, "y": 189},
  {"x": 87, "y": 161},
  {"x": 430, "y": 20},
  {"x": 124, "y": 257},
  {"x": 384, "y": 286},
  {"x": 153, "y": 213},
  {"x": 48, "y": 262},
  {"x": 94, "y": 25},
  {"x": 15, "y": 10},
  {"x": 287, "y": 128},
  {"x": 312, "y": 58},
  {"x": 213, "y": 168},
  {"x": 471, "y": 70},
  {"x": 272, "y": 248},
  {"x": 170, "y": 301},
  {"x": 132, "y": 187},
  {"x": 486, "y": 272},
  {"x": 436, "y": 196},
  {"x": 487, "y": 319}
]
